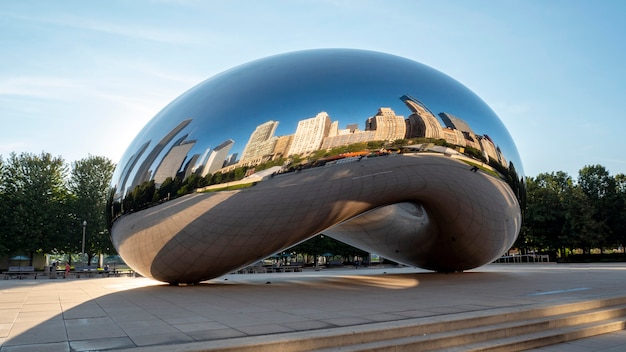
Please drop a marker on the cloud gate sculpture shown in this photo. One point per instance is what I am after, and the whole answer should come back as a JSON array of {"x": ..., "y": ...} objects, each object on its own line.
[{"x": 374, "y": 150}]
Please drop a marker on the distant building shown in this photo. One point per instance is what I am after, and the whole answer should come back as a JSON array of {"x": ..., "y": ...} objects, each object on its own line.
[
  {"x": 352, "y": 127},
  {"x": 387, "y": 125},
  {"x": 217, "y": 157},
  {"x": 454, "y": 136},
  {"x": 334, "y": 129},
  {"x": 455, "y": 122},
  {"x": 282, "y": 146},
  {"x": 490, "y": 150},
  {"x": 348, "y": 138},
  {"x": 171, "y": 164},
  {"x": 125, "y": 174},
  {"x": 261, "y": 142},
  {"x": 188, "y": 167},
  {"x": 144, "y": 172},
  {"x": 231, "y": 159},
  {"x": 422, "y": 122},
  {"x": 459, "y": 124},
  {"x": 310, "y": 133}
]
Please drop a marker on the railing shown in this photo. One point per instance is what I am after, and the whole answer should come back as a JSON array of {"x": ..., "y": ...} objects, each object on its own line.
[{"x": 524, "y": 258}]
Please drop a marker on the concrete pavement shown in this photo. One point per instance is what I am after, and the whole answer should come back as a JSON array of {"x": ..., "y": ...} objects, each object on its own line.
[{"x": 138, "y": 313}]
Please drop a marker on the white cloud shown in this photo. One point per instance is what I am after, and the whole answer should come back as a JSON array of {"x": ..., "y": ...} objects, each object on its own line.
[
  {"x": 46, "y": 87},
  {"x": 134, "y": 30}
]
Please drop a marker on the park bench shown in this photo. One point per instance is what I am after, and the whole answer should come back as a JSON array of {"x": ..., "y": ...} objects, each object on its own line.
[
  {"x": 19, "y": 272},
  {"x": 118, "y": 273}
]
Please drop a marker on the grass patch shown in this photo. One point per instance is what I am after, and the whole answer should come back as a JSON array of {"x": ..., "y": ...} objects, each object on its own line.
[{"x": 230, "y": 188}]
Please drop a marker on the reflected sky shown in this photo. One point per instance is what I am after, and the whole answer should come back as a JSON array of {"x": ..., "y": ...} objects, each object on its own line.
[{"x": 349, "y": 85}]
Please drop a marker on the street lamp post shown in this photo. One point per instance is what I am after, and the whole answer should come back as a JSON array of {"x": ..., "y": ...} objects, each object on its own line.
[{"x": 82, "y": 252}]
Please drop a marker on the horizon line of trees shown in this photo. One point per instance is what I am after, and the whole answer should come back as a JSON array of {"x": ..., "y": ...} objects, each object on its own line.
[
  {"x": 44, "y": 203},
  {"x": 562, "y": 214}
]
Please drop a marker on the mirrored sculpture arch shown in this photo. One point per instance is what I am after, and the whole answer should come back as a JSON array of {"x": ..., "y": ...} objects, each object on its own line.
[{"x": 375, "y": 150}]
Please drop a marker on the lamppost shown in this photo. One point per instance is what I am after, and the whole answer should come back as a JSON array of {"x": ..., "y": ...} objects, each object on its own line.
[{"x": 82, "y": 252}]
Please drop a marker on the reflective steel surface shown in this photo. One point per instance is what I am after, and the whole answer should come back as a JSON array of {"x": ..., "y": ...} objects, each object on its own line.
[{"x": 376, "y": 150}]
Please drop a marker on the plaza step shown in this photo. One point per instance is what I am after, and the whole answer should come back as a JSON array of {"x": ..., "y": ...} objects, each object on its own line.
[
  {"x": 499, "y": 329},
  {"x": 514, "y": 331}
]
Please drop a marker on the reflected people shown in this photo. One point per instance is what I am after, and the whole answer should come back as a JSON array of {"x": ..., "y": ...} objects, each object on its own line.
[{"x": 375, "y": 150}]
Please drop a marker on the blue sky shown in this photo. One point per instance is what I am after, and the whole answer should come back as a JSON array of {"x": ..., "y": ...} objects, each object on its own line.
[{"x": 83, "y": 77}]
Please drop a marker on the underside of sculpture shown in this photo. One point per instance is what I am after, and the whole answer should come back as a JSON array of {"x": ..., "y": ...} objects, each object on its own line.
[{"x": 439, "y": 191}]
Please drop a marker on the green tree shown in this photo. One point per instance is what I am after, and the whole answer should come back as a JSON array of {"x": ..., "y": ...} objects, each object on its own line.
[
  {"x": 35, "y": 195},
  {"x": 322, "y": 244},
  {"x": 580, "y": 225},
  {"x": 545, "y": 214},
  {"x": 168, "y": 190},
  {"x": 618, "y": 217},
  {"x": 4, "y": 212},
  {"x": 598, "y": 194},
  {"x": 89, "y": 185}
]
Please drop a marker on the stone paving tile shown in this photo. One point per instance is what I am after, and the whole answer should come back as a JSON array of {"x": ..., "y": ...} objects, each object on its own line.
[
  {"x": 325, "y": 315},
  {"x": 216, "y": 334},
  {"x": 161, "y": 339},
  {"x": 154, "y": 326},
  {"x": 102, "y": 344},
  {"x": 53, "y": 308},
  {"x": 275, "y": 317},
  {"x": 264, "y": 329},
  {"x": 4, "y": 329},
  {"x": 48, "y": 347},
  {"x": 204, "y": 326},
  {"x": 24, "y": 317},
  {"x": 414, "y": 313},
  {"x": 187, "y": 320},
  {"x": 310, "y": 325},
  {"x": 348, "y": 321},
  {"x": 35, "y": 333},
  {"x": 130, "y": 315},
  {"x": 383, "y": 317},
  {"x": 84, "y": 312},
  {"x": 92, "y": 328}
]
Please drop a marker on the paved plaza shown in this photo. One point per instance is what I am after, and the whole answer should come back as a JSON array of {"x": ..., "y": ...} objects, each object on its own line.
[{"x": 141, "y": 314}]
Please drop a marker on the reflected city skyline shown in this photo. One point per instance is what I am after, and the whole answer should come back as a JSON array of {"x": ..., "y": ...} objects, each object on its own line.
[{"x": 312, "y": 134}]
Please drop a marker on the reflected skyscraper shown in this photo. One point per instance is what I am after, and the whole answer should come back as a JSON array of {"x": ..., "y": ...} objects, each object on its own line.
[
  {"x": 217, "y": 157},
  {"x": 261, "y": 142},
  {"x": 454, "y": 122},
  {"x": 457, "y": 124},
  {"x": 143, "y": 173},
  {"x": 348, "y": 136},
  {"x": 120, "y": 188},
  {"x": 282, "y": 146},
  {"x": 171, "y": 164},
  {"x": 387, "y": 125},
  {"x": 422, "y": 122},
  {"x": 310, "y": 134}
]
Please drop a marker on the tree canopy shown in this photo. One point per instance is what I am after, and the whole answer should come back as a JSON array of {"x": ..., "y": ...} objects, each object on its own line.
[
  {"x": 43, "y": 204},
  {"x": 562, "y": 214}
]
